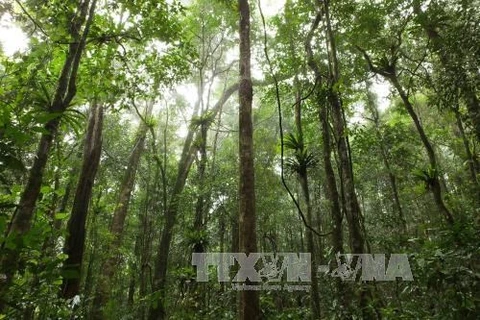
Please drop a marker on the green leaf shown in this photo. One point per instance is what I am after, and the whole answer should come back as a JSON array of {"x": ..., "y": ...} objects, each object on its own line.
[
  {"x": 61, "y": 215},
  {"x": 45, "y": 189},
  {"x": 46, "y": 117}
]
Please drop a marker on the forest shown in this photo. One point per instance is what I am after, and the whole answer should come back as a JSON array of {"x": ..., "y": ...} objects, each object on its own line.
[{"x": 235, "y": 159}]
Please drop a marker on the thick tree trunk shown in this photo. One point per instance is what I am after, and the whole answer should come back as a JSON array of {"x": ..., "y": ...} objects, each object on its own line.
[
  {"x": 118, "y": 224},
  {"x": 249, "y": 308},
  {"x": 75, "y": 241}
]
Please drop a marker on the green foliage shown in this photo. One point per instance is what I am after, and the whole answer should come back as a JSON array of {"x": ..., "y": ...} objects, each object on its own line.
[
  {"x": 302, "y": 158},
  {"x": 139, "y": 52}
]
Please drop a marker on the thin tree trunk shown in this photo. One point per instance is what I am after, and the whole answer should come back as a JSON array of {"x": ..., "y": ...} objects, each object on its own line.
[
  {"x": 200, "y": 206},
  {"x": 303, "y": 179},
  {"x": 450, "y": 62},
  {"x": 314, "y": 294},
  {"x": 157, "y": 310},
  {"x": 118, "y": 224},
  {"x": 352, "y": 208},
  {"x": 472, "y": 165},
  {"x": 473, "y": 107},
  {"x": 392, "y": 179},
  {"x": 133, "y": 275},
  {"x": 353, "y": 211},
  {"x": 93, "y": 239},
  {"x": 75, "y": 241},
  {"x": 434, "y": 181},
  {"x": 331, "y": 191}
]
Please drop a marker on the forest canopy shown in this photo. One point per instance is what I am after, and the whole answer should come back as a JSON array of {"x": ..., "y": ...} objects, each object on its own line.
[{"x": 143, "y": 140}]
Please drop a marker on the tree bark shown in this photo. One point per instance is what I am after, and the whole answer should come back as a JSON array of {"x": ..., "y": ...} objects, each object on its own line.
[
  {"x": 118, "y": 224},
  {"x": 65, "y": 91},
  {"x": 157, "y": 311},
  {"x": 352, "y": 208},
  {"x": 468, "y": 91},
  {"x": 434, "y": 182},
  {"x": 331, "y": 191},
  {"x": 353, "y": 213},
  {"x": 472, "y": 162},
  {"x": 249, "y": 308},
  {"x": 303, "y": 179},
  {"x": 75, "y": 240}
]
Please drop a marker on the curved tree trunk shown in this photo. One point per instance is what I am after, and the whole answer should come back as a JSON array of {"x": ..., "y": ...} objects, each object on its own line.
[
  {"x": 157, "y": 310},
  {"x": 450, "y": 62},
  {"x": 434, "y": 181},
  {"x": 434, "y": 184}
]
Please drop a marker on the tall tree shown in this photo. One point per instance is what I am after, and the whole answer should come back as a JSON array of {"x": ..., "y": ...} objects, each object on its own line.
[
  {"x": 75, "y": 241},
  {"x": 118, "y": 224},
  {"x": 249, "y": 300},
  {"x": 331, "y": 191},
  {"x": 388, "y": 69},
  {"x": 65, "y": 91},
  {"x": 373, "y": 109}
]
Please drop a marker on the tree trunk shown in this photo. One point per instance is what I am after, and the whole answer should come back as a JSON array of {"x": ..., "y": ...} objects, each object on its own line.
[
  {"x": 473, "y": 107},
  {"x": 249, "y": 308},
  {"x": 65, "y": 91},
  {"x": 450, "y": 63},
  {"x": 118, "y": 224},
  {"x": 353, "y": 211},
  {"x": 472, "y": 163},
  {"x": 331, "y": 191},
  {"x": 200, "y": 206},
  {"x": 434, "y": 181},
  {"x": 75, "y": 240},
  {"x": 303, "y": 179},
  {"x": 157, "y": 310},
  {"x": 383, "y": 152}
]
